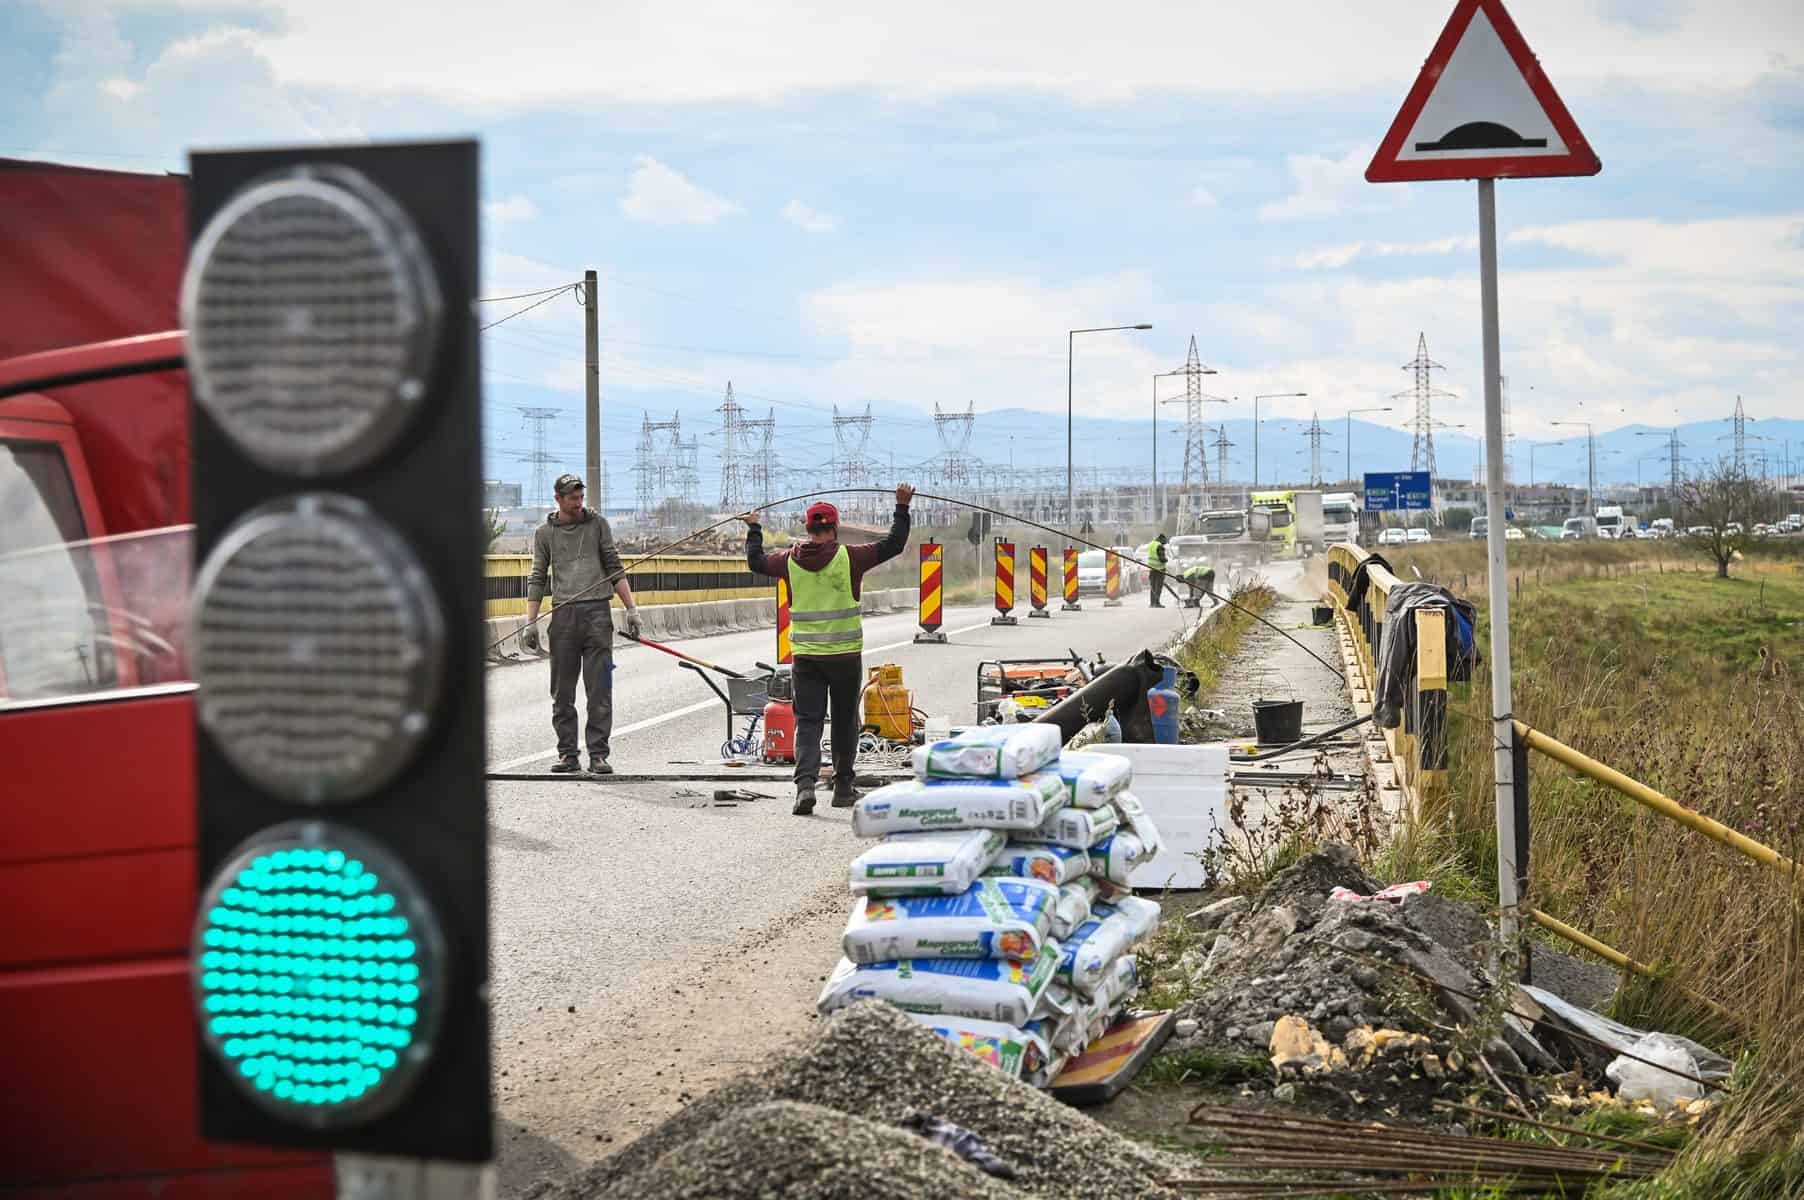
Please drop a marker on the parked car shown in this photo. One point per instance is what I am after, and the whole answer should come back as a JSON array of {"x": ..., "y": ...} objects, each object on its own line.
[
  {"x": 1481, "y": 527},
  {"x": 1092, "y": 573},
  {"x": 1416, "y": 535},
  {"x": 1512, "y": 534},
  {"x": 1393, "y": 537}
]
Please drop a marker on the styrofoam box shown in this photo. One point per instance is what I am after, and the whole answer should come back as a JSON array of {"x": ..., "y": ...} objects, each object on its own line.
[{"x": 1185, "y": 791}]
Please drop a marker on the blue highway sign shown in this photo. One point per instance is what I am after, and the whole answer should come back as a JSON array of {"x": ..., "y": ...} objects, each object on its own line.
[{"x": 1393, "y": 491}]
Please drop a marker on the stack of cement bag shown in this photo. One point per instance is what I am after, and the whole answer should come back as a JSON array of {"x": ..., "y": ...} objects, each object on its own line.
[{"x": 995, "y": 909}]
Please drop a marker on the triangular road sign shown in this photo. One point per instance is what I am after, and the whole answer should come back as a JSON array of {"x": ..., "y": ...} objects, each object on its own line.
[{"x": 1481, "y": 109}]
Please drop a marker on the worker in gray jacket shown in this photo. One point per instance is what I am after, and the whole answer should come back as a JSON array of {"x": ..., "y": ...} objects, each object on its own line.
[{"x": 576, "y": 547}]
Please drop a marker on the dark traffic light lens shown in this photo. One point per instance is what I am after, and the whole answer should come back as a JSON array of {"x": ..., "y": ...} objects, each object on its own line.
[
  {"x": 318, "y": 645},
  {"x": 318, "y": 973},
  {"x": 312, "y": 317}
]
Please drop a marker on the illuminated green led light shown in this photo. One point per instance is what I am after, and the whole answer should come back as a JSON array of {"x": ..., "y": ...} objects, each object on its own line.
[{"x": 318, "y": 974}]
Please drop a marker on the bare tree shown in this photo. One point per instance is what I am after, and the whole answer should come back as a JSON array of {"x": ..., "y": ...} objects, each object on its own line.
[{"x": 1721, "y": 503}]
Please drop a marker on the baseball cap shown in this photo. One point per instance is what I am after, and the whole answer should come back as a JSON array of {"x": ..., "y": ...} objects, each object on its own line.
[
  {"x": 566, "y": 484},
  {"x": 821, "y": 513}
]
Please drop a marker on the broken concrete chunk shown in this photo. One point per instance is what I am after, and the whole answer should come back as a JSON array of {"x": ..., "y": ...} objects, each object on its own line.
[{"x": 1214, "y": 913}]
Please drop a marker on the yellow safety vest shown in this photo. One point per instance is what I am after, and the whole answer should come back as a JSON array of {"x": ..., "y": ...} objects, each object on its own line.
[{"x": 824, "y": 615}]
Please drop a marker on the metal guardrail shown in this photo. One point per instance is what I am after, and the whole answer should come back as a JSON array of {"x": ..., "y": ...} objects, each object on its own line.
[
  {"x": 668, "y": 579},
  {"x": 1419, "y": 748}
]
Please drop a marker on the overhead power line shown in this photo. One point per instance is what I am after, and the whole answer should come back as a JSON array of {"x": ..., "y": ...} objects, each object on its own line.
[
  {"x": 528, "y": 295},
  {"x": 556, "y": 292}
]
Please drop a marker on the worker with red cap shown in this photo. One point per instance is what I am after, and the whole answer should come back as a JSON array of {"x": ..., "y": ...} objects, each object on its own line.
[{"x": 826, "y": 634}]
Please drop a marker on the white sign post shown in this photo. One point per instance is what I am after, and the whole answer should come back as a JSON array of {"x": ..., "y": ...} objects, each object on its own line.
[{"x": 1481, "y": 109}]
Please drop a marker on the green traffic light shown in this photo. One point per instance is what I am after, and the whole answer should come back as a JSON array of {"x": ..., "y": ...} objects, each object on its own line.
[{"x": 317, "y": 971}]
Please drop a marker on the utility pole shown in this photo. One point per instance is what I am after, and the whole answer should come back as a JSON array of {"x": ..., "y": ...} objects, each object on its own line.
[{"x": 592, "y": 393}]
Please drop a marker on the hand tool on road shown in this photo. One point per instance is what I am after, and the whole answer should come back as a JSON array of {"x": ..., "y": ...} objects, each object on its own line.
[{"x": 675, "y": 653}]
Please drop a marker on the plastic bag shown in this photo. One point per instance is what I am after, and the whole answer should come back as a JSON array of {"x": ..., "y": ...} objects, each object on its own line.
[
  {"x": 1072, "y": 908},
  {"x": 1644, "y": 1081},
  {"x": 912, "y": 805},
  {"x": 989, "y": 752},
  {"x": 1050, "y": 864},
  {"x": 944, "y": 862},
  {"x": 991, "y": 989},
  {"x": 1117, "y": 856},
  {"x": 1134, "y": 818},
  {"x": 1016, "y": 1051},
  {"x": 960, "y": 1141},
  {"x": 1712, "y": 1067},
  {"x": 1092, "y": 780},
  {"x": 993, "y": 918},
  {"x": 1077, "y": 828}
]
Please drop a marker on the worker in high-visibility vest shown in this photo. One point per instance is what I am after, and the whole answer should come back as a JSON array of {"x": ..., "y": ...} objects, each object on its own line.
[
  {"x": 826, "y": 635},
  {"x": 1154, "y": 554}
]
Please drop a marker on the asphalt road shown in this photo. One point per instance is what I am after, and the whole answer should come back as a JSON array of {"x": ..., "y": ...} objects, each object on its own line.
[{"x": 648, "y": 944}]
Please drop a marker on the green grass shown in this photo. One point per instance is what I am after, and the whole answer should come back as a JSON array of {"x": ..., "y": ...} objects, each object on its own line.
[
  {"x": 1212, "y": 647},
  {"x": 1203, "y": 1068},
  {"x": 1636, "y": 655}
]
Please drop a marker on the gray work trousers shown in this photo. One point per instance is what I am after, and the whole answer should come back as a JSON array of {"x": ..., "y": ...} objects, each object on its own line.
[{"x": 582, "y": 646}]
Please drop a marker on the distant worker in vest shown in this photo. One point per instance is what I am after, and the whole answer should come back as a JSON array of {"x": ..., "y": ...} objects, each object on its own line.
[
  {"x": 826, "y": 635},
  {"x": 1156, "y": 559},
  {"x": 575, "y": 548}
]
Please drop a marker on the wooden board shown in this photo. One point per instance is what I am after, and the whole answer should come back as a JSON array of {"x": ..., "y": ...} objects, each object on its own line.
[{"x": 1112, "y": 1061}]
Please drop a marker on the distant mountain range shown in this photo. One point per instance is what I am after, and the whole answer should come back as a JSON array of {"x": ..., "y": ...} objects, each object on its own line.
[{"x": 901, "y": 446}]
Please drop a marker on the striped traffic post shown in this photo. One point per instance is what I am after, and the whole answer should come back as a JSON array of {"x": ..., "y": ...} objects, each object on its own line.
[
  {"x": 1005, "y": 583},
  {"x": 1071, "y": 603},
  {"x": 785, "y": 655},
  {"x": 1036, "y": 570},
  {"x": 1113, "y": 581},
  {"x": 932, "y": 593}
]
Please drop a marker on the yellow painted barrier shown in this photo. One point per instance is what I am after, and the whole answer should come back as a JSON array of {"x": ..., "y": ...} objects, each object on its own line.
[
  {"x": 667, "y": 579},
  {"x": 1646, "y": 796},
  {"x": 1617, "y": 958}
]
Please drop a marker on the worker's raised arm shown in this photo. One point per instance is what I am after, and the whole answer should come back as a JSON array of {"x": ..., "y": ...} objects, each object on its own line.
[
  {"x": 896, "y": 540},
  {"x": 756, "y": 560}
]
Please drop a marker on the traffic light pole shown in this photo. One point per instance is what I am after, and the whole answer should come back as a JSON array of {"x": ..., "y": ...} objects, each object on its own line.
[{"x": 592, "y": 391}]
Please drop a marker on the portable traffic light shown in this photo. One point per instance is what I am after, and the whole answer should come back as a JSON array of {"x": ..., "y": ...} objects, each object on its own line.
[{"x": 340, "y": 950}]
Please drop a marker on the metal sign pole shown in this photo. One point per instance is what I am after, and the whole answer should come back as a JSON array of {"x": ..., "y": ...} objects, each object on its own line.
[{"x": 1511, "y": 837}]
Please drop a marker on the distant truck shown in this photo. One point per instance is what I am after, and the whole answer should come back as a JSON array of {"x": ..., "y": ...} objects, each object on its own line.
[
  {"x": 1614, "y": 524},
  {"x": 1307, "y": 507},
  {"x": 1576, "y": 528},
  {"x": 1296, "y": 520},
  {"x": 1340, "y": 517},
  {"x": 1236, "y": 538}
]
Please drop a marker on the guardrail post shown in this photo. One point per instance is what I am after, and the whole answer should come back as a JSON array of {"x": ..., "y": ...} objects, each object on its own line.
[{"x": 1430, "y": 700}]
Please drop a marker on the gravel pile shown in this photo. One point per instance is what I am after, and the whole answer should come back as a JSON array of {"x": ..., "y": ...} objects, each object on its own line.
[{"x": 873, "y": 1063}]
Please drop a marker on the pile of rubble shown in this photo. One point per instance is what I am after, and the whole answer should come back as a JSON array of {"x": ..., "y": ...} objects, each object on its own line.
[{"x": 1364, "y": 1006}]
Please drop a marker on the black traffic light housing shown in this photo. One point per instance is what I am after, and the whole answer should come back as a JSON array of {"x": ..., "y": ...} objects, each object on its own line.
[{"x": 315, "y": 1003}]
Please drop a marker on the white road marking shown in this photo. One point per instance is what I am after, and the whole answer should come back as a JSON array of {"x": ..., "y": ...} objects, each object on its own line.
[{"x": 679, "y": 713}]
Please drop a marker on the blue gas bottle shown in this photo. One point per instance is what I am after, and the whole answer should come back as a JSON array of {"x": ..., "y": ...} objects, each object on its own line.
[{"x": 1162, "y": 702}]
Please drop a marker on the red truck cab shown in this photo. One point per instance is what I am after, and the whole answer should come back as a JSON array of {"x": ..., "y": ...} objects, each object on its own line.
[{"x": 97, "y": 820}]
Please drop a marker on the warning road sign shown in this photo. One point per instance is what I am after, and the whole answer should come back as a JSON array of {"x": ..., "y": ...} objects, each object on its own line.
[{"x": 1481, "y": 109}]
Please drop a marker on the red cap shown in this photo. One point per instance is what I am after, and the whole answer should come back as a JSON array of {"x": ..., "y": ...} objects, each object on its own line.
[{"x": 821, "y": 513}]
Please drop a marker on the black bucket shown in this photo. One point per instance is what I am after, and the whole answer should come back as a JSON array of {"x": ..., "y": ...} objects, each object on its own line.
[
  {"x": 1323, "y": 614},
  {"x": 1278, "y": 722}
]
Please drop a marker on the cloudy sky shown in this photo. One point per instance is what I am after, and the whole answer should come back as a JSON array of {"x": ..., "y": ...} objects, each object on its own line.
[{"x": 844, "y": 203}]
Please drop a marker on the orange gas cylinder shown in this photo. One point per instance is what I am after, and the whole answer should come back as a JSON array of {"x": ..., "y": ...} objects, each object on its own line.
[
  {"x": 888, "y": 706},
  {"x": 780, "y": 719}
]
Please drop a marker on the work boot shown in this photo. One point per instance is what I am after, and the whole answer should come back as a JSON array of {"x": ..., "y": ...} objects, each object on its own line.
[
  {"x": 569, "y": 765},
  {"x": 804, "y": 800},
  {"x": 844, "y": 794},
  {"x": 600, "y": 766}
]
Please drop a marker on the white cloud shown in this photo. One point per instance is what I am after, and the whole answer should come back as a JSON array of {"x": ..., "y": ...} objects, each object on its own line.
[
  {"x": 1340, "y": 256},
  {"x": 809, "y": 220},
  {"x": 1324, "y": 186},
  {"x": 1202, "y": 197},
  {"x": 510, "y": 209},
  {"x": 711, "y": 50},
  {"x": 658, "y": 195},
  {"x": 120, "y": 88}
]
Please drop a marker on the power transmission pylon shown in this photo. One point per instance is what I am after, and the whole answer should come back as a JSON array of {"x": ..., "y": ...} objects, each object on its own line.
[
  {"x": 732, "y": 491},
  {"x": 656, "y": 464},
  {"x": 1221, "y": 454},
  {"x": 757, "y": 470},
  {"x": 1196, "y": 444},
  {"x": 955, "y": 430},
  {"x": 1314, "y": 435},
  {"x": 1741, "y": 438},
  {"x": 538, "y": 418},
  {"x": 851, "y": 434},
  {"x": 1421, "y": 451}
]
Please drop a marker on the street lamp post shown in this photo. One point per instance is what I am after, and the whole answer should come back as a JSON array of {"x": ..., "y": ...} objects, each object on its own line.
[
  {"x": 1351, "y": 413},
  {"x": 1590, "y": 462},
  {"x": 1256, "y": 400},
  {"x": 1070, "y": 489}
]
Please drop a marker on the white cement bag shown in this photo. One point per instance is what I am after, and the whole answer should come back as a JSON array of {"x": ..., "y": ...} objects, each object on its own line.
[
  {"x": 911, "y": 805},
  {"x": 989, "y": 752},
  {"x": 946, "y": 862},
  {"x": 1116, "y": 856},
  {"x": 1133, "y": 816},
  {"x": 1092, "y": 780},
  {"x": 993, "y": 918},
  {"x": 1050, "y": 864},
  {"x": 991, "y": 989},
  {"x": 1112, "y": 929},
  {"x": 1023, "y": 1053},
  {"x": 1077, "y": 828},
  {"x": 1072, "y": 908},
  {"x": 1142, "y": 914}
]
